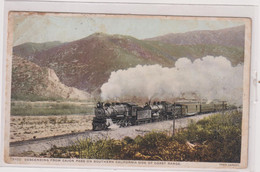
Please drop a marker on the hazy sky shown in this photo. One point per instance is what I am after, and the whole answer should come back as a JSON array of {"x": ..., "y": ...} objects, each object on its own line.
[{"x": 65, "y": 28}]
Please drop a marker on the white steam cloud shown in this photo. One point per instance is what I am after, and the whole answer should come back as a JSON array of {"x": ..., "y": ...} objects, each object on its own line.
[{"x": 210, "y": 78}]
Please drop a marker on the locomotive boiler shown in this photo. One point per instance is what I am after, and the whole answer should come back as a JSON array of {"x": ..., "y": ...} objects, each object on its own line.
[
  {"x": 128, "y": 114},
  {"x": 122, "y": 114}
]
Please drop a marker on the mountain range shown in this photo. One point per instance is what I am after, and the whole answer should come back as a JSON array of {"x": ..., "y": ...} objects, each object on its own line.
[
  {"x": 232, "y": 37},
  {"x": 86, "y": 64}
]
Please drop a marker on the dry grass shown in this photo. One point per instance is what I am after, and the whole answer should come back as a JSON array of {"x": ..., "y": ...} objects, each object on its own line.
[
  {"x": 27, "y": 108},
  {"x": 29, "y": 127}
]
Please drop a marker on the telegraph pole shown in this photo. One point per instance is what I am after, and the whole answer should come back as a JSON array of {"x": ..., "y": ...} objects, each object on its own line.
[
  {"x": 223, "y": 106},
  {"x": 173, "y": 123}
]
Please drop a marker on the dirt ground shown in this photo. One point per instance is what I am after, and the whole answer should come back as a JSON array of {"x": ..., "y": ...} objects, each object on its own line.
[
  {"x": 29, "y": 127},
  {"x": 38, "y": 146}
]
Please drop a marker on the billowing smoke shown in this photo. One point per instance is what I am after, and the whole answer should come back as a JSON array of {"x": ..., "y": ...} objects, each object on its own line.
[{"x": 209, "y": 78}]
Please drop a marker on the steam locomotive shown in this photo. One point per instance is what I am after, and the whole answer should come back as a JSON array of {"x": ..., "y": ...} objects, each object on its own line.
[{"x": 128, "y": 114}]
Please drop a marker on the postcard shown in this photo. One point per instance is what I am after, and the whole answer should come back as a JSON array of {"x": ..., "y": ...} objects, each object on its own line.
[{"x": 115, "y": 90}]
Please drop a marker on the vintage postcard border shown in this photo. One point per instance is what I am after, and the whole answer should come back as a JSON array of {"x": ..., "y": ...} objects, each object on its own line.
[{"x": 123, "y": 163}]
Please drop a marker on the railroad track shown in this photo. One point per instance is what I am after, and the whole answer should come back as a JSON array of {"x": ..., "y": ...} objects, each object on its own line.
[{"x": 42, "y": 144}]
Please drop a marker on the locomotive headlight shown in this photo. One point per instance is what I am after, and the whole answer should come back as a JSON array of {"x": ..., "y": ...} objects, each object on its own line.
[{"x": 98, "y": 112}]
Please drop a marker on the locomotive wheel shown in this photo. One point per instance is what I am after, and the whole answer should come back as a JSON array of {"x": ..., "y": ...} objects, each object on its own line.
[
  {"x": 97, "y": 127},
  {"x": 124, "y": 123},
  {"x": 150, "y": 121},
  {"x": 128, "y": 123},
  {"x": 120, "y": 123}
]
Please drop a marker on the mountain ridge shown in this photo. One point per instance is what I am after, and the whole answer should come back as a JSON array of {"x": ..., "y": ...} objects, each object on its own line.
[
  {"x": 87, "y": 63},
  {"x": 234, "y": 36},
  {"x": 30, "y": 48}
]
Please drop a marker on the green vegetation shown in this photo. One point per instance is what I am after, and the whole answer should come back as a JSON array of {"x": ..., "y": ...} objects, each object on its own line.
[
  {"x": 234, "y": 54},
  {"x": 38, "y": 98},
  {"x": 218, "y": 137},
  {"x": 34, "y": 97},
  {"x": 23, "y": 108},
  {"x": 82, "y": 69},
  {"x": 30, "y": 48},
  {"x": 213, "y": 139}
]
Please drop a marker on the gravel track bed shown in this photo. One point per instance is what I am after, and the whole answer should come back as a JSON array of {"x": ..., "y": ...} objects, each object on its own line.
[{"x": 42, "y": 144}]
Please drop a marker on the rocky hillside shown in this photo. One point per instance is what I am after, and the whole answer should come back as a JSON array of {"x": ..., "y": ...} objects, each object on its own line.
[
  {"x": 87, "y": 63},
  {"x": 30, "y": 81}
]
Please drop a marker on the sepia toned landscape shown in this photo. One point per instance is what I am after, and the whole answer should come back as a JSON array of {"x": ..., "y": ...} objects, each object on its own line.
[{"x": 102, "y": 89}]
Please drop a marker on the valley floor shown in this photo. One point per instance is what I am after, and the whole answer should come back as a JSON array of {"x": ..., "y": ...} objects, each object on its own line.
[
  {"x": 113, "y": 133},
  {"x": 30, "y": 127}
]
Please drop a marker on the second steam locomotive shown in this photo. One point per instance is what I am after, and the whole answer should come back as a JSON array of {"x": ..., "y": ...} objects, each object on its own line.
[{"x": 128, "y": 114}]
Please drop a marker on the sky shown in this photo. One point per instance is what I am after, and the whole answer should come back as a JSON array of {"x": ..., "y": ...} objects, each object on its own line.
[{"x": 38, "y": 27}]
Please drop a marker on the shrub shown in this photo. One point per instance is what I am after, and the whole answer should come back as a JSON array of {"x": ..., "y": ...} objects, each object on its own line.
[
  {"x": 213, "y": 139},
  {"x": 218, "y": 137}
]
